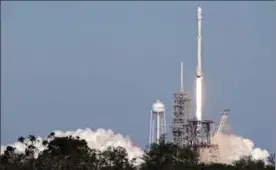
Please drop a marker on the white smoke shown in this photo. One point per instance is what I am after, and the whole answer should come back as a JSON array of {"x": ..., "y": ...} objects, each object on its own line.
[
  {"x": 232, "y": 147},
  {"x": 99, "y": 139}
]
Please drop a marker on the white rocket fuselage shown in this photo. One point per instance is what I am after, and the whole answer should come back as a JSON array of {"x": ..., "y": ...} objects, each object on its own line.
[
  {"x": 199, "y": 76},
  {"x": 199, "y": 18}
]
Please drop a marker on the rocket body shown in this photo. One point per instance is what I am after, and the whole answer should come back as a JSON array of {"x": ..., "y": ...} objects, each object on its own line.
[
  {"x": 199, "y": 75},
  {"x": 199, "y": 37}
]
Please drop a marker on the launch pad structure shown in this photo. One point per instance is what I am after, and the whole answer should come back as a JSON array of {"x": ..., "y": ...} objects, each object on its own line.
[{"x": 189, "y": 130}]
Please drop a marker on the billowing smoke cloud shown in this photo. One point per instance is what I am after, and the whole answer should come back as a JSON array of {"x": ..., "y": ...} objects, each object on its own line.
[
  {"x": 99, "y": 139},
  {"x": 232, "y": 147}
]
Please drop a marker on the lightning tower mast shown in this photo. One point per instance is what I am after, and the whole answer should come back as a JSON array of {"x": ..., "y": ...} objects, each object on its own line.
[{"x": 181, "y": 78}]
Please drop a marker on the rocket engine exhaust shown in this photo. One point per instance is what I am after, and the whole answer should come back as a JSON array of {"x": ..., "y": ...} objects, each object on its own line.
[{"x": 199, "y": 98}]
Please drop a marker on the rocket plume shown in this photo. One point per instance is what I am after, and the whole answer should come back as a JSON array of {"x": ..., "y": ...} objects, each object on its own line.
[
  {"x": 199, "y": 98},
  {"x": 233, "y": 147}
]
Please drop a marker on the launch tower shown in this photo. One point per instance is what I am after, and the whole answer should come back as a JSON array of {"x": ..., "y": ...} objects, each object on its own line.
[
  {"x": 181, "y": 114},
  {"x": 191, "y": 130}
]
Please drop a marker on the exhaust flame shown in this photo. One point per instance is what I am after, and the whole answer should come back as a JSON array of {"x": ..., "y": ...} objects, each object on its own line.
[{"x": 199, "y": 98}]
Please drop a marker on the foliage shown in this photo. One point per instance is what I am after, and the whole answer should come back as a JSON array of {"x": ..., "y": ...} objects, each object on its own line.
[
  {"x": 73, "y": 153},
  {"x": 168, "y": 156}
]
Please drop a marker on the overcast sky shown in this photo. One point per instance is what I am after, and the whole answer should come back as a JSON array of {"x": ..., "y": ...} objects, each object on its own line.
[{"x": 69, "y": 65}]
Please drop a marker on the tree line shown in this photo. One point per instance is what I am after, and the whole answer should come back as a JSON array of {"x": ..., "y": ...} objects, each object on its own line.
[{"x": 73, "y": 153}]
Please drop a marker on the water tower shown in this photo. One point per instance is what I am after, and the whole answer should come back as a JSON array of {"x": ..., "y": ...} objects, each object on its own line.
[{"x": 157, "y": 122}]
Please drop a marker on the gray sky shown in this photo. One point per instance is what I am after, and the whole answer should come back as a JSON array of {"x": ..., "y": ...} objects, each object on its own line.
[{"x": 69, "y": 65}]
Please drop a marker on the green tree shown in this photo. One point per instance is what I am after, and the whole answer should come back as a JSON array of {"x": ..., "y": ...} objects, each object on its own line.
[
  {"x": 168, "y": 156},
  {"x": 115, "y": 158},
  {"x": 247, "y": 163}
]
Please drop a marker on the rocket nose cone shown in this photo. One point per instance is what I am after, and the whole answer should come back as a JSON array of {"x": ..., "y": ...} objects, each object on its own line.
[
  {"x": 199, "y": 13},
  {"x": 199, "y": 9}
]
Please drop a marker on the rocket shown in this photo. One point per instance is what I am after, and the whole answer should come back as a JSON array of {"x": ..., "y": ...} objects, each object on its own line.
[
  {"x": 199, "y": 67},
  {"x": 199, "y": 75}
]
